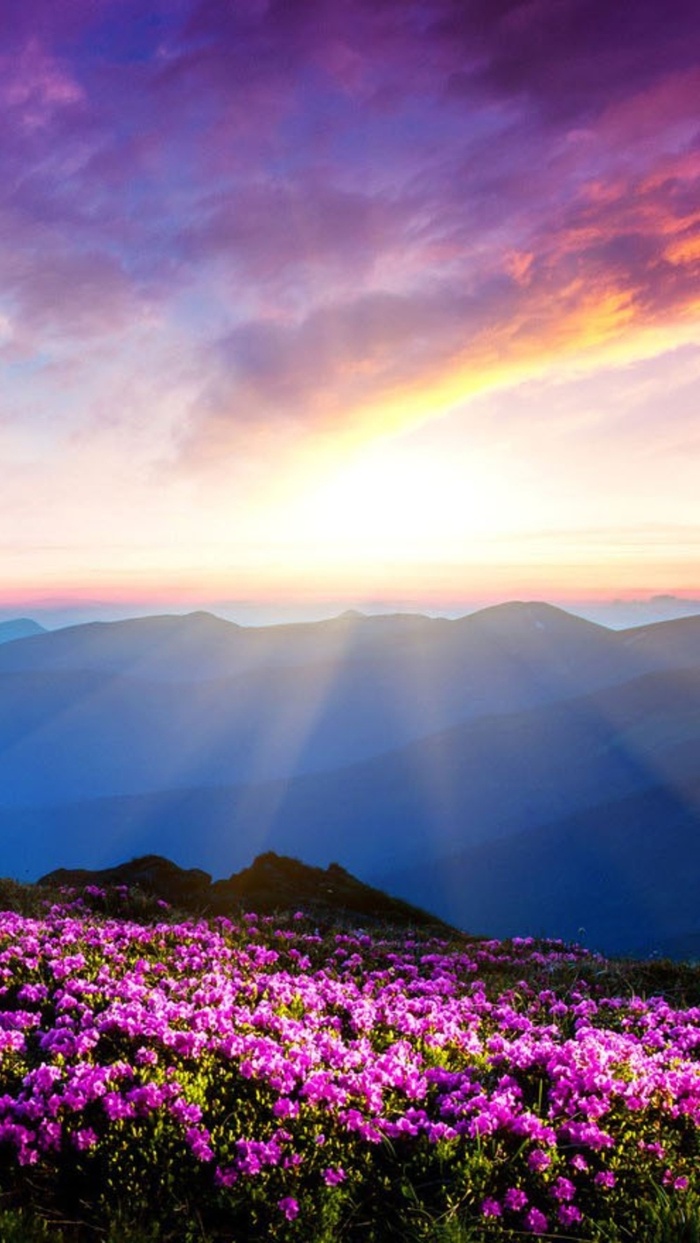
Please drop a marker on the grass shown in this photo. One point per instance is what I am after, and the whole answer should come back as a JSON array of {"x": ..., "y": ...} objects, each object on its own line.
[
  {"x": 663, "y": 1222},
  {"x": 393, "y": 1199}
]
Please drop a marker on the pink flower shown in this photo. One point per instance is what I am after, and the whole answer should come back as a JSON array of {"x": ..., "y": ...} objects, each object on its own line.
[
  {"x": 535, "y": 1221},
  {"x": 515, "y": 1198},
  {"x": 604, "y": 1178},
  {"x": 678, "y": 1184},
  {"x": 563, "y": 1189},
  {"x": 490, "y": 1207},
  {"x": 332, "y": 1177},
  {"x": 539, "y": 1160},
  {"x": 289, "y": 1206},
  {"x": 569, "y": 1215}
]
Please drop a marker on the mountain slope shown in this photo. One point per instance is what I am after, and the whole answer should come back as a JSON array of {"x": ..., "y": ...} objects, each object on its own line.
[
  {"x": 102, "y": 710},
  {"x": 666, "y": 644},
  {"x": 19, "y": 628},
  {"x": 621, "y": 876},
  {"x": 432, "y": 799}
]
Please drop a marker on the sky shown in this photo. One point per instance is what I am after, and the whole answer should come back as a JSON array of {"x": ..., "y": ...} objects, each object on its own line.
[{"x": 374, "y": 300}]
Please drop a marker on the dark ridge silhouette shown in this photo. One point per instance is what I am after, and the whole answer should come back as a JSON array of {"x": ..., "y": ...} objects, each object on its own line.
[
  {"x": 187, "y": 888},
  {"x": 272, "y": 883}
]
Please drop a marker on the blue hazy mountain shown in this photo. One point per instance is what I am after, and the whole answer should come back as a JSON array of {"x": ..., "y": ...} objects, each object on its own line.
[
  {"x": 19, "y": 628},
  {"x": 621, "y": 876},
  {"x": 418, "y": 752},
  {"x": 140, "y": 706},
  {"x": 201, "y": 647}
]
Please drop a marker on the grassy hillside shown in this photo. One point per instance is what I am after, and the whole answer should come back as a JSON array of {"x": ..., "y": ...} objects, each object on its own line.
[{"x": 226, "y": 1080}]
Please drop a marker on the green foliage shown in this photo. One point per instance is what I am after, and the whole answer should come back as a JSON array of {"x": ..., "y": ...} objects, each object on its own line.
[{"x": 408, "y": 1190}]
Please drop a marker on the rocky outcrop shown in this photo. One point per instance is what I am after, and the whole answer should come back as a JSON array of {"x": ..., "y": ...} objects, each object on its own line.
[
  {"x": 272, "y": 883},
  {"x": 184, "y": 887}
]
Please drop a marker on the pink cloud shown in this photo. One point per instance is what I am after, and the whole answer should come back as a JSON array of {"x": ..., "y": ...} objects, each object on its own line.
[
  {"x": 343, "y": 199},
  {"x": 35, "y": 84}
]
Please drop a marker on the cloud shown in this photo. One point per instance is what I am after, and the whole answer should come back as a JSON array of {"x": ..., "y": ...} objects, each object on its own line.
[
  {"x": 70, "y": 295},
  {"x": 346, "y": 205},
  {"x": 569, "y": 60},
  {"x": 322, "y": 372},
  {"x": 271, "y": 231}
]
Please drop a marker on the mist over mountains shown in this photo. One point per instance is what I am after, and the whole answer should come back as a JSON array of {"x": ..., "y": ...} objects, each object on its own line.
[{"x": 519, "y": 770}]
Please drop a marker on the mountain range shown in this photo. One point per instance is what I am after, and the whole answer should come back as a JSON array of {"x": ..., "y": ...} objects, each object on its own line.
[{"x": 519, "y": 770}]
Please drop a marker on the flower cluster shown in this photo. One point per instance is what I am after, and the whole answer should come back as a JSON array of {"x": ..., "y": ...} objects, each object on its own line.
[{"x": 270, "y": 1055}]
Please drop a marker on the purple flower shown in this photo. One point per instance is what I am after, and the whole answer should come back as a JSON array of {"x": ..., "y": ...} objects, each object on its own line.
[
  {"x": 198, "y": 1142},
  {"x": 332, "y": 1177},
  {"x": 535, "y": 1221},
  {"x": 289, "y": 1206},
  {"x": 285, "y": 1108},
  {"x": 539, "y": 1160},
  {"x": 677, "y": 1184},
  {"x": 569, "y": 1214},
  {"x": 515, "y": 1199},
  {"x": 562, "y": 1189},
  {"x": 490, "y": 1207},
  {"x": 604, "y": 1178},
  {"x": 654, "y": 1150}
]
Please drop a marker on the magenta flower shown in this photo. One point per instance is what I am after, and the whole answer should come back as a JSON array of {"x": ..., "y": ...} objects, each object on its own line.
[
  {"x": 515, "y": 1199},
  {"x": 535, "y": 1221},
  {"x": 604, "y": 1178},
  {"x": 539, "y": 1160},
  {"x": 569, "y": 1214},
  {"x": 562, "y": 1189},
  {"x": 678, "y": 1184},
  {"x": 332, "y": 1177},
  {"x": 490, "y": 1208},
  {"x": 381, "y": 1038}
]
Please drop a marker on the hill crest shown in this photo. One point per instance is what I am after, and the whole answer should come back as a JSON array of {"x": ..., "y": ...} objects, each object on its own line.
[{"x": 271, "y": 883}]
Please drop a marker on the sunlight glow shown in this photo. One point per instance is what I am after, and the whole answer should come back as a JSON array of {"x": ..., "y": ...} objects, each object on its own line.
[{"x": 389, "y": 499}]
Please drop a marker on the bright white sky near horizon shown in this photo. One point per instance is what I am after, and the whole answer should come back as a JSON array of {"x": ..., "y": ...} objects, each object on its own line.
[{"x": 363, "y": 302}]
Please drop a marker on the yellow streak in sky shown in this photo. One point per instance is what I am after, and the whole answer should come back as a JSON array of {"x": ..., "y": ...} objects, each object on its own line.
[{"x": 599, "y": 331}]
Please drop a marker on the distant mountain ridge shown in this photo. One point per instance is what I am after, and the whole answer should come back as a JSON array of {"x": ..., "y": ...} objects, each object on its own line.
[
  {"x": 398, "y": 745},
  {"x": 200, "y": 646},
  {"x": 19, "y": 628},
  {"x": 115, "y": 708}
]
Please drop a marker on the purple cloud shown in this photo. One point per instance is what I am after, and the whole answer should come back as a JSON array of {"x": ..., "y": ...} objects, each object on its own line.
[
  {"x": 570, "y": 59},
  {"x": 340, "y": 200}
]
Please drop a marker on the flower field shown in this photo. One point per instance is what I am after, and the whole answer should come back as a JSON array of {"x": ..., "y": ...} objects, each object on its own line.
[{"x": 262, "y": 1078}]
